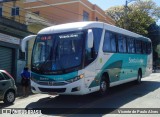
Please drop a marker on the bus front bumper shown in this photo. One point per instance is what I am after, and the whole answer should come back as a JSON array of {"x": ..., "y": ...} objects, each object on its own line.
[{"x": 74, "y": 88}]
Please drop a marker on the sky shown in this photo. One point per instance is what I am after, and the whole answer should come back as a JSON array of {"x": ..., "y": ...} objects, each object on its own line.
[{"x": 105, "y": 4}]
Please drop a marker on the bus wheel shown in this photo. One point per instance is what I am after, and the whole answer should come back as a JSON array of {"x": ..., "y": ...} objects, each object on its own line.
[
  {"x": 139, "y": 77},
  {"x": 104, "y": 85}
]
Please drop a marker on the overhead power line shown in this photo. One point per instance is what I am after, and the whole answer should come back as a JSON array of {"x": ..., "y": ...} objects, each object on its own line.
[
  {"x": 58, "y": 17},
  {"x": 44, "y": 14},
  {"x": 65, "y": 10},
  {"x": 21, "y": 9}
]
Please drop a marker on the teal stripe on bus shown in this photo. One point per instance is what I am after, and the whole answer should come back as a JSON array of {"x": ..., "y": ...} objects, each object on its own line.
[
  {"x": 61, "y": 77},
  {"x": 122, "y": 65}
]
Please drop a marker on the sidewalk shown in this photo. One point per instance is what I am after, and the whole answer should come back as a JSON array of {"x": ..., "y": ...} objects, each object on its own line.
[{"x": 20, "y": 90}]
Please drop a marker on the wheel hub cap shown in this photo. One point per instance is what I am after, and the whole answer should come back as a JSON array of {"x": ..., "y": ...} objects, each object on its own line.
[{"x": 10, "y": 96}]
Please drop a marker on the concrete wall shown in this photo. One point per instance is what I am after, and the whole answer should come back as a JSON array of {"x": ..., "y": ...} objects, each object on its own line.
[{"x": 65, "y": 11}]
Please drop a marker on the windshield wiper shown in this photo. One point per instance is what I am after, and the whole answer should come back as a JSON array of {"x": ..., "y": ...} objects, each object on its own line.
[
  {"x": 52, "y": 58},
  {"x": 46, "y": 61}
]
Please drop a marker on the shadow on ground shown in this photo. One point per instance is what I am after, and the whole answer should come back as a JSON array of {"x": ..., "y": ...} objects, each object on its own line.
[
  {"x": 92, "y": 103},
  {"x": 18, "y": 95}
]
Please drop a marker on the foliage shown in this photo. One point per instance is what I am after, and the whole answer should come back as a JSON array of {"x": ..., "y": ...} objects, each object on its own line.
[
  {"x": 154, "y": 35},
  {"x": 115, "y": 12},
  {"x": 137, "y": 17}
]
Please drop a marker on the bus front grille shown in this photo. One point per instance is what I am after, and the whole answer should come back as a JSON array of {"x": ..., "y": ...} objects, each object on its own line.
[
  {"x": 57, "y": 90},
  {"x": 51, "y": 83}
]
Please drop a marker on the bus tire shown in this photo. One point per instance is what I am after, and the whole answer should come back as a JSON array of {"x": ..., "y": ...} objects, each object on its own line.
[
  {"x": 139, "y": 77},
  {"x": 104, "y": 85}
]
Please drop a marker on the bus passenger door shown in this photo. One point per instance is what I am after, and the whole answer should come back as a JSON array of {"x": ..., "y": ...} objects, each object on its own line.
[{"x": 90, "y": 56}]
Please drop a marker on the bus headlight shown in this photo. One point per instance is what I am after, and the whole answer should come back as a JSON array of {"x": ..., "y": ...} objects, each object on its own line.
[{"x": 75, "y": 78}]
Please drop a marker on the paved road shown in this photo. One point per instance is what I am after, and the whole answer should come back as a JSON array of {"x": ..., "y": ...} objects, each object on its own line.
[{"x": 145, "y": 95}]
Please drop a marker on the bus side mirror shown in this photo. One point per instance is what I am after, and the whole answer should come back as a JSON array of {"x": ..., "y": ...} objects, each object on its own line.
[
  {"x": 24, "y": 41},
  {"x": 90, "y": 38}
]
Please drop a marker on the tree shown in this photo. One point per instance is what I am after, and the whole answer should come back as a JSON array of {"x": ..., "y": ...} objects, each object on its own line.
[
  {"x": 154, "y": 35},
  {"x": 137, "y": 17},
  {"x": 136, "y": 22},
  {"x": 115, "y": 12}
]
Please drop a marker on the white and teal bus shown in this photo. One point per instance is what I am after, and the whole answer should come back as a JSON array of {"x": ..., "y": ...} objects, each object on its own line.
[{"x": 85, "y": 57}]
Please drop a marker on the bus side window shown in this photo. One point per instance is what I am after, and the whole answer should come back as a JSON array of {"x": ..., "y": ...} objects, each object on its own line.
[
  {"x": 113, "y": 42},
  {"x": 144, "y": 48},
  {"x": 131, "y": 47},
  {"x": 91, "y": 53},
  {"x": 148, "y": 48},
  {"x": 109, "y": 44},
  {"x": 138, "y": 47},
  {"x": 122, "y": 44},
  {"x": 97, "y": 33}
]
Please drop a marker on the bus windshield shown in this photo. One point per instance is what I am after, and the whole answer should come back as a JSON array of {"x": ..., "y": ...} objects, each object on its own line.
[{"x": 57, "y": 52}]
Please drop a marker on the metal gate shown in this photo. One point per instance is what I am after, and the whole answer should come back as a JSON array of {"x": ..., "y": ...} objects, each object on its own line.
[{"x": 6, "y": 59}]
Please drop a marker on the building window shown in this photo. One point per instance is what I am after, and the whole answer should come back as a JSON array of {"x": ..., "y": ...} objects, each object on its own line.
[
  {"x": 85, "y": 16},
  {"x": 97, "y": 19},
  {"x": 37, "y": 12},
  {"x": 15, "y": 11},
  {"x": 1, "y": 10}
]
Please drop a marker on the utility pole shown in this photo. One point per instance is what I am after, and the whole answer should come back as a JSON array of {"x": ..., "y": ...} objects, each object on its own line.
[{"x": 125, "y": 13}]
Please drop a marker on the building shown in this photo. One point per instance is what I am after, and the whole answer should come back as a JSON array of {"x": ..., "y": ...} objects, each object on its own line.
[
  {"x": 12, "y": 30},
  {"x": 65, "y": 11},
  {"x": 15, "y": 24},
  {"x": 62, "y": 11}
]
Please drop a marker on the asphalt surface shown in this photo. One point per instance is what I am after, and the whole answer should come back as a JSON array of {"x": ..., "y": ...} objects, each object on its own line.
[{"x": 127, "y": 96}]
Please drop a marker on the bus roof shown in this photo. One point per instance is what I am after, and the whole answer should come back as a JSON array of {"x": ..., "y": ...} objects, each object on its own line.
[
  {"x": 70, "y": 27},
  {"x": 86, "y": 25}
]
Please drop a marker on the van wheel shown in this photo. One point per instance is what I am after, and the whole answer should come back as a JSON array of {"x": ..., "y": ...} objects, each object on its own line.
[
  {"x": 139, "y": 77},
  {"x": 104, "y": 86},
  {"x": 9, "y": 97}
]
